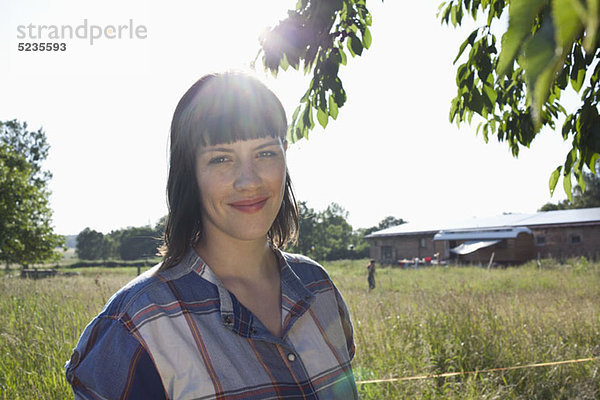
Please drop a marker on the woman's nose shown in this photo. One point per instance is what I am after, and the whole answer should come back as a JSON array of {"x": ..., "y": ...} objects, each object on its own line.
[{"x": 247, "y": 176}]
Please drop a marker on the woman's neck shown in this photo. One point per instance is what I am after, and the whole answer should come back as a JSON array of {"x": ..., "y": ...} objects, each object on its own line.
[
  {"x": 249, "y": 270},
  {"x": 237, "y": 259}
]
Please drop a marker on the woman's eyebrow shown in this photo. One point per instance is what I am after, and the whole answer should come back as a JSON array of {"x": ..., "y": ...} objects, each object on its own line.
[
  {"x": 213, "y": 149},
  {"x": 274, "y": 142}
]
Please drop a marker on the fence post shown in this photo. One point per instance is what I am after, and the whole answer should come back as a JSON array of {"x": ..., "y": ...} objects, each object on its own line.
[{"x": 491, "y": 260}]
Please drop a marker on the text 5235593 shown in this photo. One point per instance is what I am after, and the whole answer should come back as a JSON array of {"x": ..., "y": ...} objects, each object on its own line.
[{"x": 35, "y": 46}]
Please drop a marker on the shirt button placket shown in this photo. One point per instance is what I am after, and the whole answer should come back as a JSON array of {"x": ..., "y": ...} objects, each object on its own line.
[{"x": 298, "y": 369}]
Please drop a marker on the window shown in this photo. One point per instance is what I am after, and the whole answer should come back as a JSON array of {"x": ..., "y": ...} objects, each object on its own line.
[
  {"x": 386, "y": 252},
  {"x": 575, "y": 238},
  {"x": 540, "y": 240},
  {"x": 423, "y": 243}
]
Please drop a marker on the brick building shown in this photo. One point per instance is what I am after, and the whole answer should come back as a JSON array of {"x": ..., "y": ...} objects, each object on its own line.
[{"x": 512, "y": 238}]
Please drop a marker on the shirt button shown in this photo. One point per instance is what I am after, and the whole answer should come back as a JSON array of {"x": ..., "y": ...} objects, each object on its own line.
[
  {"x": 291, "y": 357},
  {"x": 74, "y": 359}
]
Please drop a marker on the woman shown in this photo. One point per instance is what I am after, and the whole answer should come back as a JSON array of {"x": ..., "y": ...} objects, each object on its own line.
[{"x": 227, "y": 314}]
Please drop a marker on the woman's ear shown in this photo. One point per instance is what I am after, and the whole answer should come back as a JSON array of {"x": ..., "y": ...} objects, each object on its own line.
[{"x": 285, "y": 143}]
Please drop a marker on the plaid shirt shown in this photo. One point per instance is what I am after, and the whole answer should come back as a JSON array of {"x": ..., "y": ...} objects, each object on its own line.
[{"x": 179, "y": 334}]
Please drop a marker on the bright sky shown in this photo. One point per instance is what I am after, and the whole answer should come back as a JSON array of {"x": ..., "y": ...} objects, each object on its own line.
[{"x": 106, "y": 109}]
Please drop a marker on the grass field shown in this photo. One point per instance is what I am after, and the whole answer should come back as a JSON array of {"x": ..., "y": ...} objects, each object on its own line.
[{"x": 426, "y": 321}]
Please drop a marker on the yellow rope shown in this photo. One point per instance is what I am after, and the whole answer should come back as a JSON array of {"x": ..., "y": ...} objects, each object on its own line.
[{"x": 447, "y": 374}]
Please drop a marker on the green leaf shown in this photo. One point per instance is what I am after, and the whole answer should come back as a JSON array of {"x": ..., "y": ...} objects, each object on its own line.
[
  {"x": 367, "y": 39},
  {"x": 567, "y": 186},
  {"x": 571, "y": 158},
  {"x": 453, "y": 109},
  {"x": 593, "y": 161},
  {"x": 476, "y": 103},
  {"x": 453, "y": 16},
  {"x": 348, "y": 45},
  {"x": 491, "y": 94},
  {"x": 486, "y": 130},
  {"x": 521, "y": 14},
  {"x": 554, "y": 179},
  {"x": 356, "y": 45},
  {"x": 295, "y": 115},
  {"x": 567, "y": 22},
  {"x": 540, "y": 62},
  {"x": 307, "y": 115},
  {"x": 464, "y": 44},
  {"x": 322, "y": 117},
  {"x": 446, "y": 13},
  {"x": 488, "y": 105},
  {"x": 343, "y": 56},
  {"x": 333, "y": 107},
  {"x": 577, "y": 83},
  {"x": 591, "y": 29},
  {"x": 581, "y": 181}
]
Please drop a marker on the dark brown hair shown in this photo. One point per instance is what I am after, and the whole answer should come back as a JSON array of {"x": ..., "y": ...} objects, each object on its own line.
[{"x": 219, "y": 108}]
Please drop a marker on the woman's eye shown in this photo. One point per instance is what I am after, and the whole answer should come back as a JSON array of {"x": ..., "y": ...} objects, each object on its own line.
[
  {"x": 266, "y": 153},
  {"x": 218, "y": 160}
]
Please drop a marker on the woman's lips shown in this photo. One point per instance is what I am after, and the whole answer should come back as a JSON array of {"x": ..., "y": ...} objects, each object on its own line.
[{"x": 250, "y": 206}]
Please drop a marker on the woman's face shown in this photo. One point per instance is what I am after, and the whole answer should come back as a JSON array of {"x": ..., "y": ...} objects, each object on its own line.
[{"x": 241, "y": 187}]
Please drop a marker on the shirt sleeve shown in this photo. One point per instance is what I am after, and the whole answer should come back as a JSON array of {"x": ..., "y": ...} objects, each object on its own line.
[
  {"x": 346, "y": 322},
  {"x": 110, "y": 363}
]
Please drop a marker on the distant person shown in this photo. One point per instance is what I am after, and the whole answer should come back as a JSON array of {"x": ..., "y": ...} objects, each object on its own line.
[
  {"x": 371, "y": 274},
  {"x": 227, "y": 314}
]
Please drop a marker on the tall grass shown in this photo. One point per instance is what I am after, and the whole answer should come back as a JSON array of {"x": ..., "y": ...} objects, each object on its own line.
[
  {"x": 426, "y": 321},
  {"x": 437, "y": 320},
  {"x": 40, "y": 322}
]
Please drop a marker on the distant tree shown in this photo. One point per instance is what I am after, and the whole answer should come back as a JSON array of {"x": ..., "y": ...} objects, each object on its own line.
[
  {"x": 160, "y": 226},
  {"x": 113, "y": 243},
  {"x": 360, "y": 247},
  {"x": 325, "y": 235},
  {"x": 581, "y": 199},
  {"x": 390, "y": 221},
  {"x": 591, "y": 196},
  {"x": 335, "y": 234},
  {"x": 26, "y": 233},
  {"x": 140, "y": 242},
  {"x": 91, "y": 245},
  {"x": 307, "y": 227},
  {"x": 387, "y": 222},
  {"x": 127, "y": 244},
  {"x": 552, "y": 207}
]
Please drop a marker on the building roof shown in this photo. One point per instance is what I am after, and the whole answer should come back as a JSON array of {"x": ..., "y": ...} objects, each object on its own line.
[
  {"x": 542, "y": 218},
  {"x": 481, "y": 234},
  {"x": 582, "y": 215}
]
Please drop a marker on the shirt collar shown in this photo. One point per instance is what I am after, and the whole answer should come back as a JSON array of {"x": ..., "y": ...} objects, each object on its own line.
[{"x": 295, "y": 299}]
